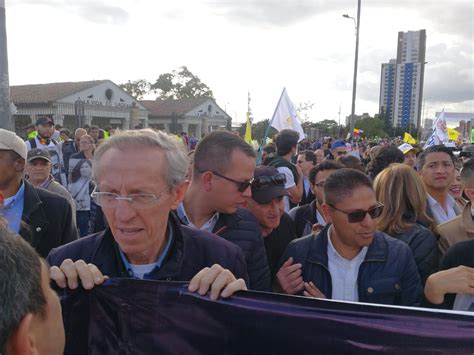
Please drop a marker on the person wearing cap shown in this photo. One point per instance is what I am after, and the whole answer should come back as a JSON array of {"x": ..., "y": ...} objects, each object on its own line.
[
  {"x": 409, "y": 153},
  {"x": 43, "y": 138},
  {"x": 266, "y": 204},
  {"x": 338, "y": 148},
  {"x": 467, "y": 152},
  {"x": 38, "y": 173},
  {"x": 41, "y": 217}
]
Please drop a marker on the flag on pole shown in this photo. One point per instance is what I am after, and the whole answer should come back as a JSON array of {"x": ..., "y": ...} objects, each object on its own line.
[
  {"x": 439, "y": 134},
  {"x": 408, "y": 138},
  {"x": 453, "y": 135},
  {"x": 357, "y": 132},
  {"x": 286, "y": 117},
  {"x": 248, "y": 130}
]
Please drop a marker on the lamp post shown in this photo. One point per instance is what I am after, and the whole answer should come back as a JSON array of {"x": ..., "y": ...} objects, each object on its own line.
[
  {"x": 356, "y": 58},
  {"x": 5, "y": 117}
]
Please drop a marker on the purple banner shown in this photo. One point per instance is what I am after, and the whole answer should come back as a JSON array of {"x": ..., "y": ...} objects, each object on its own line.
[{"x": 127, "y": 316}]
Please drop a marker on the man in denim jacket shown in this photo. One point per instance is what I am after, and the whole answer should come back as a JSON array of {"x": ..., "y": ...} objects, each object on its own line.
[{"x": 349, "y": 260}]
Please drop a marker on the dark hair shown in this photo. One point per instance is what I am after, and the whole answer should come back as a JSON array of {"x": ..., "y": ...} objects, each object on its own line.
[
  {"x": 325, "y": 165},
  {"x": 76, "y": 171},
  {"x": 285, "y": 140},
  {"x": 309, "y": 156},
  {"x": 215, "y": 150},
  {"x": 421, "y": 160},
  {"x": 350, "y": 161},
  {"x": 342, "y": 183},
  {"x": 20, "y": 283},
  {"x": 269, "y": 148},
  {"x": 65, "y": 131},
  {"x": 385, "y": 157},
  {"x": 467, "y": 173}
]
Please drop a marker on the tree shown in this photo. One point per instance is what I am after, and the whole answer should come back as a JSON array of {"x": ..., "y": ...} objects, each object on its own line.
[
  {"x": 371, "y": 126},
  {"x": 137, "y": 88},
  {"x": 303, "y": 109},
  {"x": 180, "y": 84}
]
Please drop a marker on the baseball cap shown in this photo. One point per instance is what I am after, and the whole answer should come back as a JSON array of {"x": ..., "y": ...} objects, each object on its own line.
[
  {"x": 44, "y": 120},
  {"x": 10, "y": 141},
  {"x": 38, "y": 154},
  {"x": 268, "y": 184},
  {"x": 406, "y": 147},
  {"x": 338, "y": 144}
]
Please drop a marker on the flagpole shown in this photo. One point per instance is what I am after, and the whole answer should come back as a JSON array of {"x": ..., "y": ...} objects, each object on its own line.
[{"x": 259, "y": 156}]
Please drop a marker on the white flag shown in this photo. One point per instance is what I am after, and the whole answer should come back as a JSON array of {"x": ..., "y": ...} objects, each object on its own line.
[
  {"x": 440, "y": 132},
  {"x": 286, "y": 117}
]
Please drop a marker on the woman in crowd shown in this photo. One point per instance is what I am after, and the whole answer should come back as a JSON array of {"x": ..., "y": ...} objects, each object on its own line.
[
  {"x": 455, "y": 190},
  {"x": 87, "y": 148},
  {"x": 383, "y": 158},
  {"x": 404, "y": 217},
  {"x": 80, "y": 187}
]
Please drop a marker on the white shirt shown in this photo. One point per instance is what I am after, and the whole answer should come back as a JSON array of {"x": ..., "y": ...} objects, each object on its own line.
[
  {"x": 344, "y": 273},
  {"x": 464, "y": 303},
  {"x": 320, "y": 218},
  {"x": 208, "y": 226},
  {"x": 290, "y": 182},
  {"x": 39, "y": 145},
  {"x": 439, "y": 214}
]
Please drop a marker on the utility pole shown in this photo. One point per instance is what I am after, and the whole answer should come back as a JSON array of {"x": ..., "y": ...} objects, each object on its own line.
[{"x": 5, "y": 117}]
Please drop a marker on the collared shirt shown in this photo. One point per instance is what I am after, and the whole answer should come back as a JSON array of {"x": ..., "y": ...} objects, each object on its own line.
[
  {"x": 344, "y": 273},
  {"x": 144, "y": 271},
  {"x": 320, "y": 218},
  {"x": 13, "y": 209},
  {"x": 439, "y": 214},
  {"x": 208, "y": 226},
  {"x": 464, "y": 303}
]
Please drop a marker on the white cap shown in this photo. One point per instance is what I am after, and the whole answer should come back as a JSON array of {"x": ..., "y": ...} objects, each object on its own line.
[
  {"x": 10, "y": 141},
  {"x": 406, "y": 147}
]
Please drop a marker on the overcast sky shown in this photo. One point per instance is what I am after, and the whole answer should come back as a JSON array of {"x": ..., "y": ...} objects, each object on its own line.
[{"x": 236, "y": 46}]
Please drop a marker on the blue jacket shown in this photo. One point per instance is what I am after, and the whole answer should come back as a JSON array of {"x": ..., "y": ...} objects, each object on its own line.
[
  {"x": 388, "y": 275},
  {"x": 191, "y": 251},
  {"x": 242, "y": 229}
]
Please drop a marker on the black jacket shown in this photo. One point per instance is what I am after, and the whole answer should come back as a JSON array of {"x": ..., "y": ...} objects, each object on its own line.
[
  {"x": 191, "y": 251},
  {"x": 242, "y": 229},
  {"x": 307, "y": 198},
  {"x": 303, "y": 218},
  {"x": 424, "y": 246},
  {"x": 48, "y": 221},
  {"x": 388, "y": 274}
]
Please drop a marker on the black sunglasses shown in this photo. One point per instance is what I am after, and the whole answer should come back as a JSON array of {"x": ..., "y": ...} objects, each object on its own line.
[
  {"x": 358, "y": 216},
  {"x": 263, "y": 182},
  {"x": 241, "y": 185}
]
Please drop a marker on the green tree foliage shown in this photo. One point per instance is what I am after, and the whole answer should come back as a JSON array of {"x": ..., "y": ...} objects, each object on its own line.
[
  {"x": 137, "y": 88},
  {"x": 371, "y": 126},
  {"x": 180, "y": 84}
]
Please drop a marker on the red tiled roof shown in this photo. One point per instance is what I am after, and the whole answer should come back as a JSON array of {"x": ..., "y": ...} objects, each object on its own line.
[
  {"x": 44, "y": 93},
  {"x": 165, "y": 108}
]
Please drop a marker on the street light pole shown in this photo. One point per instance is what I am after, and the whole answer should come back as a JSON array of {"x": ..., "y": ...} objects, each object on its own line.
[
  {"x": 5, "y": 118},
  {"x": 356, "y": 59}
]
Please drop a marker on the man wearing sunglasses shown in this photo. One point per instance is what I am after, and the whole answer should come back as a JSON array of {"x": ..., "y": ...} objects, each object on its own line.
[
  {"x": 222, "y": 174},
  {"x": 349, "y": 260},
  {"x": 268, "y": 190}
]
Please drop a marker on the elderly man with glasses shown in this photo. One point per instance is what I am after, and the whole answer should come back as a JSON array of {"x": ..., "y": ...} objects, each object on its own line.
[
  {"x": 349, "y": 260},
  {"x": 140, "y": 178}
]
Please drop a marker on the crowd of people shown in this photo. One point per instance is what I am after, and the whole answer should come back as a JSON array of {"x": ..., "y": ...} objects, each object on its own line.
[{"x": 380, "y": 222}]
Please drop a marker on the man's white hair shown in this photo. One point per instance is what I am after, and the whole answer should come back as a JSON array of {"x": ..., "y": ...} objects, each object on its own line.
[{"x": 177, "y": 159}]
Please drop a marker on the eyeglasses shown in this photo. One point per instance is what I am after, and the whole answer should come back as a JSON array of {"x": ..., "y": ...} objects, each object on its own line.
[
  {"x": 138, "y": 201},
  {"x": 263, "y": 182},
  {"x": 241, "y": 185},
  {"x": 358, "y": 216}
]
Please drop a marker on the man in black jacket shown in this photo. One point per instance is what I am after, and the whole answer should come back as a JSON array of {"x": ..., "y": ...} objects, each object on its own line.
[
  {"x": 42, "y": 218},
  {"x": 222, "y": 174},
  {"x": 140, "y": 178}
]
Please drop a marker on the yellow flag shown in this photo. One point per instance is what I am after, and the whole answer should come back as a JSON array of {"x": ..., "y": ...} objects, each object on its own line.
[
  {"x": 248, "y": 131},
  {"x": 453, "y": 135},
  {"x": 409, "y": 139}
]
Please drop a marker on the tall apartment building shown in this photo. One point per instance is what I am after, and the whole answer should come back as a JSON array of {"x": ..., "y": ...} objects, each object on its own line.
[{"x": 401, "y": 84}]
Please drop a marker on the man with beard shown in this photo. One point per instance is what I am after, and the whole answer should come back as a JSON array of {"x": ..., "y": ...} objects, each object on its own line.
[{"x": 45, "y": 129}]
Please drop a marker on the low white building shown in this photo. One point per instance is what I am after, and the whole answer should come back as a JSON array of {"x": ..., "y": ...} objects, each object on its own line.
[{"x": 73, "y": 104}]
